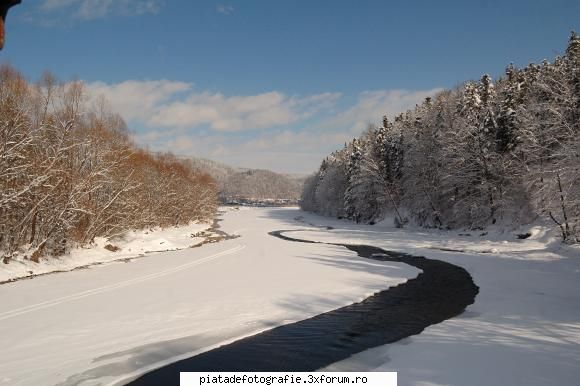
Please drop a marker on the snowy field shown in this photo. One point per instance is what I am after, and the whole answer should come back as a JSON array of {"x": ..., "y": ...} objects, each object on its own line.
[{"x": 108, "y": 323}]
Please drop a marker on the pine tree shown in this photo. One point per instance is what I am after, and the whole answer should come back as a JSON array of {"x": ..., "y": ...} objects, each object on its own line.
[
  {"x": 474, "y": 155},
  {"x": 573, "y": 61},
  {"x": 353, "y": 170},
  {"x": 422, "y": 166},
  {"x": 507, "y": 121},
  {"x": 389, "y": 154}
]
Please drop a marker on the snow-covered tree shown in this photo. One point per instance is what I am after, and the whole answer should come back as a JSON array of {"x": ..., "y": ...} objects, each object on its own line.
[
  {"x": 353, "y": 172},
  {"x": 486, "y": 152},
  {"x": 69, "y": 172}
]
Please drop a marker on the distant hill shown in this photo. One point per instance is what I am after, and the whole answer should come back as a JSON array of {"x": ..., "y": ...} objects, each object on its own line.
[
  {"x": 251, "y": 184},
  {"x": 219, "y": 171}
]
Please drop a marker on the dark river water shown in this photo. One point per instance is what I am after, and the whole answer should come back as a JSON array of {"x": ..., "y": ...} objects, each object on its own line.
[{"x": 440, "y": 292}]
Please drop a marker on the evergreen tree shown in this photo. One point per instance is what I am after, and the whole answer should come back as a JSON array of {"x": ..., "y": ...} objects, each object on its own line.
[
  {"x": 472, "y": 156},
  {"x": 573, "y": 60},
  {"x": 353, "y": 170},
  {"x": 507, "y": 121}
]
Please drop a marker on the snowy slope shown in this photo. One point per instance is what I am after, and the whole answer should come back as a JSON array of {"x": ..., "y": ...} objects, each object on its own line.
[{"x": 105, "y": 324}]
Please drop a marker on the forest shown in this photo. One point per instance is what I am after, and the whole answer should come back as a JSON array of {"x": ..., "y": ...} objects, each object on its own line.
[
  {"x": 503, "y": 152},
  {"x": 250, "y": 185},
  {"x": 69, "y": 172}
]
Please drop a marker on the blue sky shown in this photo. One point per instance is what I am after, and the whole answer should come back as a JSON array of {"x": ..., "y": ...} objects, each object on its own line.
[{"x": 275, "y": 84}]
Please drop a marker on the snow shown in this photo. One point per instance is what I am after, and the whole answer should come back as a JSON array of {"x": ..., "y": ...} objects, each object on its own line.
[
  {"x": 109, "y": 323},
  {"x": 133, "y": 244},
  {"x": 524, "y": 328}
]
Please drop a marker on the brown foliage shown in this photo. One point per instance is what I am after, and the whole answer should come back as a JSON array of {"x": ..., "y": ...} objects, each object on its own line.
[{"x": 70, "y": 173}]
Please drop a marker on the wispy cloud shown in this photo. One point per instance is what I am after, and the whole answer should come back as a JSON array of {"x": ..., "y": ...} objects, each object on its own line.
[
  {"x": 49, "y": 12},
  {"x": 176, "y": 105},
  {"x": 270, "y": 129},
  {"x": 372, "y": 105},
  {"x": 226, "y": 9},
  {"x": 280, "y": 150}
]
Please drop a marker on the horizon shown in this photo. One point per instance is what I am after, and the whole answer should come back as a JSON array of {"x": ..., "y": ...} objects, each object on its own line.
[{"x": 253, "y": 83}]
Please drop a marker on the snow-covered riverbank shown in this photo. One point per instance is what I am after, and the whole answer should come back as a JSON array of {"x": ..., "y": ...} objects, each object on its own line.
[
  {"x": 524, "y": 328},
  {"x": 109, "y": 323},
  {"x": 132, "y": 245}
]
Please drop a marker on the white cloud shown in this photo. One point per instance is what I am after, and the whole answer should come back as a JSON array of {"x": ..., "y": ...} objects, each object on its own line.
[
  {"x": 92, "y": 9},
  {"x": 237, "y": 113},
  {"x": 282, "y": 151},
  {"x": 267, "y": 130},
  {"x": 372, "y": 105},
  {"x": 175, "y": 105},
  {"x": 138, "y": 100},
  {"x": 226, "y": 9}
]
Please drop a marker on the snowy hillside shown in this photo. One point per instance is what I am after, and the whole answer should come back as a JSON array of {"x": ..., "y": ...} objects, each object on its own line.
[{"x": 253, "y": 184}]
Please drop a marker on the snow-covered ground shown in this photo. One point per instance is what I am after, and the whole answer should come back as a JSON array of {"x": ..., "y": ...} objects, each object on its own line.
[
  {"x": 524, "y": 328},
  {"x": 107, "y": 323},
  {"x": 132, "y": 244}
]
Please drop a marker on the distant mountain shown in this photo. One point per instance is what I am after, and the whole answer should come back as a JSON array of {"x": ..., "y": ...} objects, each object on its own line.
[{"x": 251, "y": 184}]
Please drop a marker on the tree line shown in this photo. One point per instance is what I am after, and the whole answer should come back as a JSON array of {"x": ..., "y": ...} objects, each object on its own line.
[
  {"x": 69, "y": 172},
  {"x": 487, "y": 152}
]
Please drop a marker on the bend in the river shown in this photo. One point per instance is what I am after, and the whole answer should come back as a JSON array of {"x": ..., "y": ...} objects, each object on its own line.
[{"x": 442, "y": 291}]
